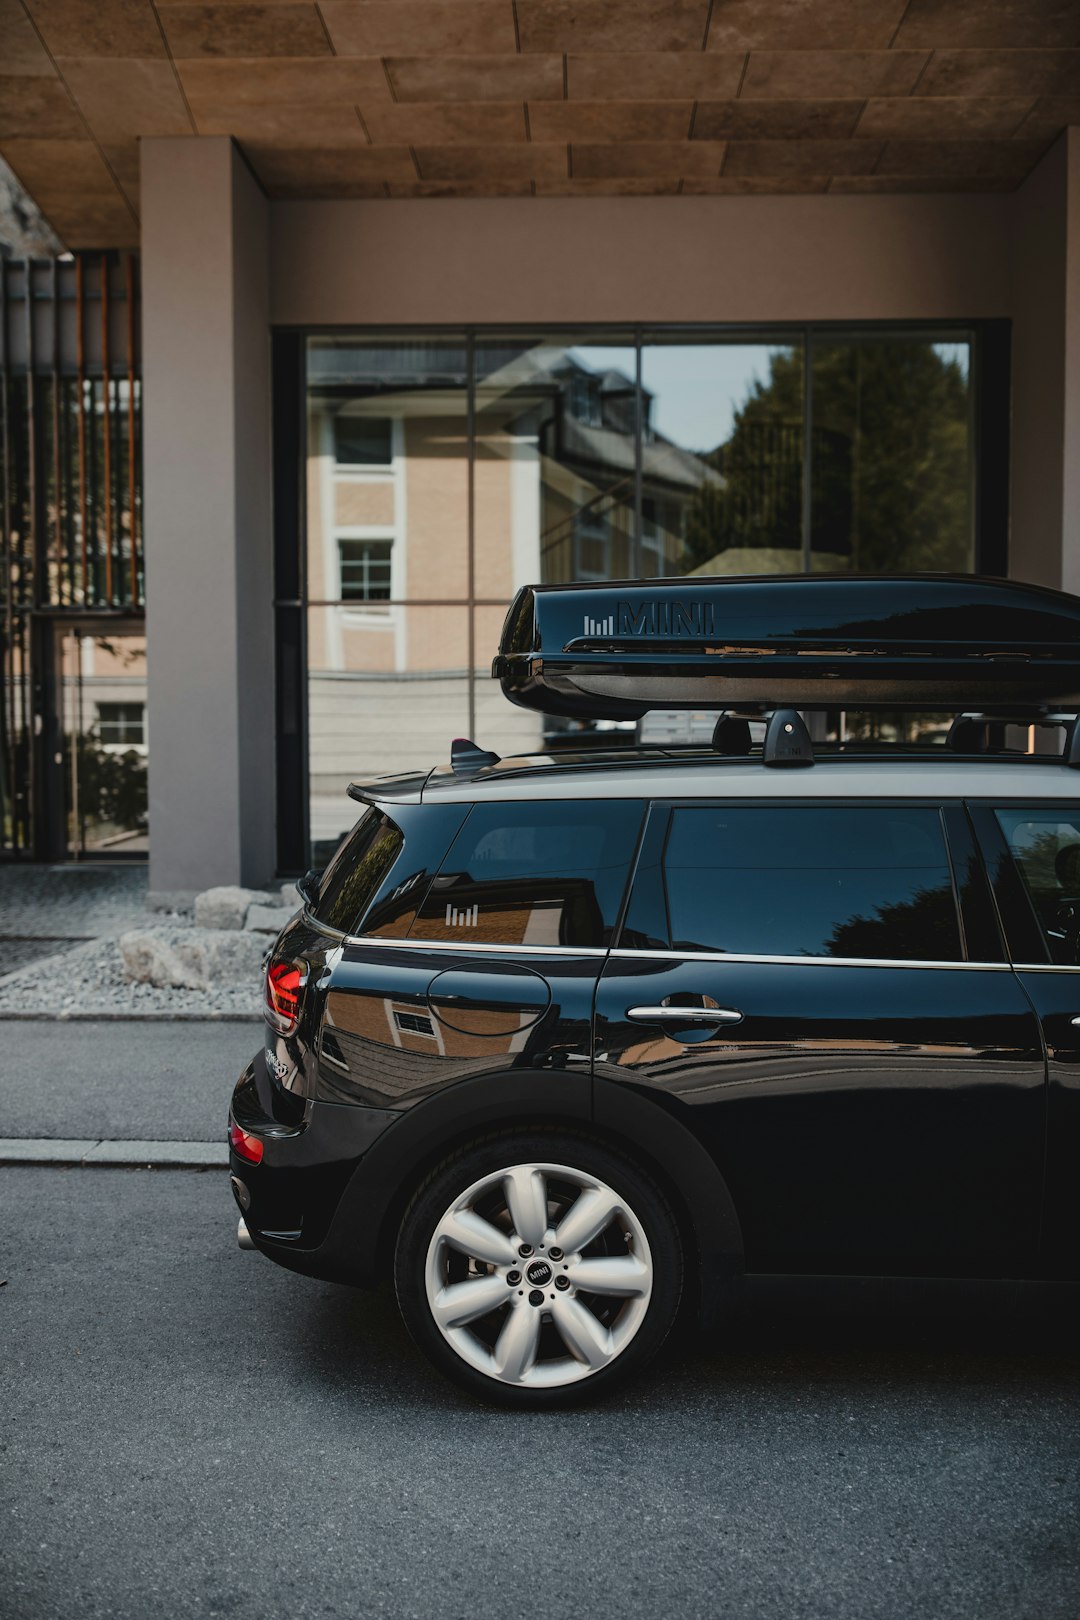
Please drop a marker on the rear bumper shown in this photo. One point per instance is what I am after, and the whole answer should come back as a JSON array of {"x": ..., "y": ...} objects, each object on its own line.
[{"x": 310, "y": 1151}]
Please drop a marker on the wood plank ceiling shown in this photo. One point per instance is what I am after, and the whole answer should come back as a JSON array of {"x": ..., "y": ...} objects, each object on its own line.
[{"x": 490, "y": 98}]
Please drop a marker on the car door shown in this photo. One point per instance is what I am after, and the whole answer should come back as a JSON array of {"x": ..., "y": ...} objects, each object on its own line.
[
  {"x": 821, "y": 991},
  {"x": 1032, "y": 851}
]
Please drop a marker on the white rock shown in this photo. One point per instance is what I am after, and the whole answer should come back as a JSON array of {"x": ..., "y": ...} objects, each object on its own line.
[
  {"x": 226, "y": 907},
  {"x": 268, "y": 919},
  {"x": 290, "y": 896},
  {"x": 192, "y": 958}
]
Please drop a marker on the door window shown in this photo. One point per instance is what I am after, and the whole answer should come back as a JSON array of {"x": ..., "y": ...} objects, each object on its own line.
[
  {"x": 1045, "y": 844},
  {"x": 816, "y": 881},
  {"x": 547, "y": 873}
]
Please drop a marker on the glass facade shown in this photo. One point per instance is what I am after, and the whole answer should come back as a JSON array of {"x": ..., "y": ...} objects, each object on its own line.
[{"x": 445, "y": 470}]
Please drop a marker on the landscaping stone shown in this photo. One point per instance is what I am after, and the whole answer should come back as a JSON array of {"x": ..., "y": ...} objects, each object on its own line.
[
  {"x": 268, "y": 919},
  {"x": 227, "y": 907},
  {"x": 192, "y": 958}
]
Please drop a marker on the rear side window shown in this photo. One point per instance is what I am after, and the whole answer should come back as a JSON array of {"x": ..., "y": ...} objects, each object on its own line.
[
  {"x": 811, "y": 881},
  {"x": 544, "y": 873},
  {"x": 358, "y": 868},
  {"x": 1045, "y": 845}
]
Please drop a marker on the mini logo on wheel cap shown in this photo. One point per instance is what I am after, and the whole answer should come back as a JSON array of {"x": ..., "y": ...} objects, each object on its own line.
[{"x": 539, "y": 1273}]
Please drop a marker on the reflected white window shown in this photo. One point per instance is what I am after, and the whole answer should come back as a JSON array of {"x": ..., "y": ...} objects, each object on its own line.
[{"x": 366, "y": 568}]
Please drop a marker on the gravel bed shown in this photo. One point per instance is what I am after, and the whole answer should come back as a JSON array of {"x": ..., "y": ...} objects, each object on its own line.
[
  {"x": 71, "y": 901},
  {"x": 89, "y": 980}
]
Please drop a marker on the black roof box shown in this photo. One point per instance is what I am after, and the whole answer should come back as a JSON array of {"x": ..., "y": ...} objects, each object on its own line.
[{"x": 614, "y": 651}]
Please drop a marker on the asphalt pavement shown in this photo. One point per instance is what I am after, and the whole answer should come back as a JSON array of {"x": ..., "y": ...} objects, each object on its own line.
[{"x": 186, "y": 1430}]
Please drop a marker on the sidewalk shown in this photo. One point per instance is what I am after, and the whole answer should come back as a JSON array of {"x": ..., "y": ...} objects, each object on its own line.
[{"x": 130, "y": 1093}]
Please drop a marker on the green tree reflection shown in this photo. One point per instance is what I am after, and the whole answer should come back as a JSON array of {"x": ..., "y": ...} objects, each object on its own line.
[{"x": 890, "y": 464}]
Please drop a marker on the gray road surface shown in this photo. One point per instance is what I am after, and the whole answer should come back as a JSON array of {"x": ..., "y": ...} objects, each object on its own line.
[
  {"x": 188, "y": 1431},
  {"x": 159, "y": 1081}
]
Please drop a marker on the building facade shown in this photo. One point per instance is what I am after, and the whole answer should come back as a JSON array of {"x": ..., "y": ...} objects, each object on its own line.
[{"x": 361, "y": 408}]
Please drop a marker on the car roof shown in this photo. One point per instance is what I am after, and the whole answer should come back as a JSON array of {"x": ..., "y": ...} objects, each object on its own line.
[{"x": 691, "y": 774}]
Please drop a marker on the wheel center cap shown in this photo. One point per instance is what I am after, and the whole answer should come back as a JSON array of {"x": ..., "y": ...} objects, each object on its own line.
[{"x": 539, "y": 1273}]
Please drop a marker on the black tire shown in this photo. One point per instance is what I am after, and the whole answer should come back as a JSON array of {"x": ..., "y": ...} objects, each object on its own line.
[{"x": 540, "y": 1146}]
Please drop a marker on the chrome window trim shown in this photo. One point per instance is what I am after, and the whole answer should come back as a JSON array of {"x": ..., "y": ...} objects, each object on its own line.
[
  {"x": 1046, "y": 967},
  {"x": 682, "y": 956},
  {"x": 814, "y": 961},
  {"x": 476, "y": 945}
]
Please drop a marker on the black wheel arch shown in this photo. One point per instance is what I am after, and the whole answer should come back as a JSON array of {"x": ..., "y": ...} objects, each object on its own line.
[{"x": 359, "y": 1245}]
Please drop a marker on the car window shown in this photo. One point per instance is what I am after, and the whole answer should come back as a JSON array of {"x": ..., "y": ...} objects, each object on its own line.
[
  {"x": 544, "y": 873},
  {"x": 1045, "y": 845},
  {"x": 821, "y": 881},
  {"x": 362, "y": 860}
]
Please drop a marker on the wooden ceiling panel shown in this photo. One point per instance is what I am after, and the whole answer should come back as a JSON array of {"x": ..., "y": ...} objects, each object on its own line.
[
  {"x": 437, "y": 98},
  {"x": 430, "y": 27}
]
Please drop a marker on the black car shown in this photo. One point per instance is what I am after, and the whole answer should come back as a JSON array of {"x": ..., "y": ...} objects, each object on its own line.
[{"x": 563, "y": 1045}]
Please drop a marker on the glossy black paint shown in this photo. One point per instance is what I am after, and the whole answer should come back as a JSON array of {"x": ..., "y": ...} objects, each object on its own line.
[
  {"x": 878, "y": 1119},
  {"x": 511, "y": 1012},
  {"x": 623, "y": 647},
  {"x": 882, "y": 1117}
]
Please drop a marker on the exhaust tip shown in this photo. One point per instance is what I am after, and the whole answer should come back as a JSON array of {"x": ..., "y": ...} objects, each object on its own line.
[{"x": 243, "y": 1236}]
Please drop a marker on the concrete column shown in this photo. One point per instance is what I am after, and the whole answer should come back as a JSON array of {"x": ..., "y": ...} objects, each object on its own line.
[
  {"x": 1045, "y": 473},
  {"x": 206, "y": 368}
]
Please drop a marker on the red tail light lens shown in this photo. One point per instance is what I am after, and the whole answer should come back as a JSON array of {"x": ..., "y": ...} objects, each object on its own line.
[
  {"x": 244, "y": 1145},
  {"x": 284, "y": 981}
]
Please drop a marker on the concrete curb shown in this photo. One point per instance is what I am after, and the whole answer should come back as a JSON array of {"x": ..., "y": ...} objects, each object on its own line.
[
  {"x": 131, "y": 1017},
  {"x": 91, "y": 1151}
]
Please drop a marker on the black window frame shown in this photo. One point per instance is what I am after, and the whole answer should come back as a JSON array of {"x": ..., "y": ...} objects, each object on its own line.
[
  {"x": 969, "y": 882},
  {"x": 1025, "y": 942}
]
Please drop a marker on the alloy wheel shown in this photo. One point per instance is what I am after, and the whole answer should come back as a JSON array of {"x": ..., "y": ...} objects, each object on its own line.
[{"x": 539, "y": 1275}]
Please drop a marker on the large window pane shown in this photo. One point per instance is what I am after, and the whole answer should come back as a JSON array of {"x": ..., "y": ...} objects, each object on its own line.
[
  {"x": 871, "y": 883},
  {"x": 722, "y": 452},
  {"x": 384, "y": 694},
  {"x": 387, "y": 469},
  {"x": 555, "y": 460},
  {"x": 891, "y": 454}
]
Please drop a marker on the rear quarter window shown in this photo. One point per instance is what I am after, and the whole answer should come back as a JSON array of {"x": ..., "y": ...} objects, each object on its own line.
[
  {"x": 545, "y": 873},
  {"x": 357, "y": 871}
]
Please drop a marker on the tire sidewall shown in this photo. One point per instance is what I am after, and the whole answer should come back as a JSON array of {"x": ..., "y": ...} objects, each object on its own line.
[{"x": 538, "y": 1145}]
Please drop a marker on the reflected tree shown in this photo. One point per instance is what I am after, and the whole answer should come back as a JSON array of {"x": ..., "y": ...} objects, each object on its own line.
[{"x": 890, "y": 462}]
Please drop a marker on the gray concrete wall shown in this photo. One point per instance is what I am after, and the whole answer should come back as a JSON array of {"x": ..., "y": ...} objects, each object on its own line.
[
  {"x": 640, "y": 259},
  {"x": 1037, "y": 251},
  {"x": 208, "y": 543}
]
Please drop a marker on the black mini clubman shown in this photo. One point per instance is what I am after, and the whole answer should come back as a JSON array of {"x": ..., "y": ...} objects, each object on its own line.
[{"x": 562, "y": 1045}]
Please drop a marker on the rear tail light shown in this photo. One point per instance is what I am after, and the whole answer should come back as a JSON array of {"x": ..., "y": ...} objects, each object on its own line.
[
  {"x": 244, "y": 1145},
  {"x": 284, "y": 982}
]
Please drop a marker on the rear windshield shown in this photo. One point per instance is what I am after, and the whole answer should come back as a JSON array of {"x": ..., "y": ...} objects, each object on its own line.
[{"x": 356, "y": 871}]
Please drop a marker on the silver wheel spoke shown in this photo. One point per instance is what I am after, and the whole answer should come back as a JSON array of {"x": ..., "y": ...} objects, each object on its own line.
[
  {"x": 585, "y": 1338},
  {"x": 464, "y": 1229},
  {"x": 525, "y": 1190},
  {"x": 489, "y": 1321},
  {"x": 622, "y": 1274},
  {"x": 516, "y": 1346},
  {"x": 586, "y": 1219},
  {"x": 463, "y": 1302}
]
